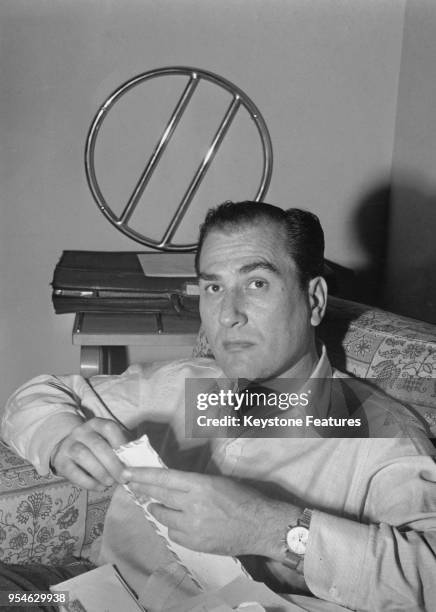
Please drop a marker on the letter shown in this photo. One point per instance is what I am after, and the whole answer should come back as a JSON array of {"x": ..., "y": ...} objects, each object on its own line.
[
  {"x": 271, "y": 399},
  {"x": 239, "y": 400},
  {"x": 202, "y": 401},
  {"x": 283, "y": 401},
  {"x": 294, "y": 399},
  {"x": 213, "y": 399},
  {"x": 258, "y": 398},
  {"x": 201, "y": 420},
  {"x": 304, "y": 400}
]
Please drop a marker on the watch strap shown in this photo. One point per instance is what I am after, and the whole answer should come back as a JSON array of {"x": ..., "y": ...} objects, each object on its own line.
[
  {"x": 294, "y": 561},
  {"x": 305, "y": 518}
]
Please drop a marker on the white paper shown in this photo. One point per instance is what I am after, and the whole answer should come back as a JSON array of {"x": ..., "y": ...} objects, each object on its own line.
[
  {"x": 98, "y": 590},
  {"x": 241, "y": 595},
  {"x": 208, "y": 570},
  {"x": 168, "y": 264}
]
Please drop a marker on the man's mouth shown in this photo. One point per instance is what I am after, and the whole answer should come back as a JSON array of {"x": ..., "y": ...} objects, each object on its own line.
[{"x": 233, "y": 346}]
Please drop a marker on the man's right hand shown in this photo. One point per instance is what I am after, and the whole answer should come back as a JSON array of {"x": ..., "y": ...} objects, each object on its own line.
[{"x": 85, "y": 456}]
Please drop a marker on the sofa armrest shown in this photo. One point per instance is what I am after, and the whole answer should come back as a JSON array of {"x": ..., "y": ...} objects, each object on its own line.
[{"x": 45, "y": 519}]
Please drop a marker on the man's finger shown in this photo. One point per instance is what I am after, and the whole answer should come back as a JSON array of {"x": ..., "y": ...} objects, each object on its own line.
[
  {"x": 81, "y": 455},
  {"x": 77, "y": 476},
  {"x": 105, "y": 456},
  {"x": 171, "y": 498},
  {"x": 172, "y": 479},
  {"x": 110, "y": 431},
  {"x": 86, "y": 455},
  {"x": 173, "y": 519}
]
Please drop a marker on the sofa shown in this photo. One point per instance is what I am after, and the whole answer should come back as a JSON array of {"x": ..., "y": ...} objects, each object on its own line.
[{"x": 47, "y": 519}]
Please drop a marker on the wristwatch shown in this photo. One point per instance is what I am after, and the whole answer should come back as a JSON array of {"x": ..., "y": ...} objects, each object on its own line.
[{"x": 296, "y": 541}]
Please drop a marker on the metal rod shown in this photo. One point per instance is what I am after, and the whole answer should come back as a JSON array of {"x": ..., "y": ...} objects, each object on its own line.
[
  {"x": 159, "y": 149},
  {"x": 78, "y": 322},
  {"x": 190, "y": 72},
  {"x": 201, "y": 170},
  {"x": 159, "y": 323}
]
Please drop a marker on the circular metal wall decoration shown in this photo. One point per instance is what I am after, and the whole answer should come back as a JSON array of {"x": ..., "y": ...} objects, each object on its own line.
[{"x": 194, "y": 76}]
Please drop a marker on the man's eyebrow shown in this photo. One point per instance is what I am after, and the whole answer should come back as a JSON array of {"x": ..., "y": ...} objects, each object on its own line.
[
  {"x": 259, "y": 265},
  {"x": 245, "y": 269},
  {"x": 208, "y": 277}
]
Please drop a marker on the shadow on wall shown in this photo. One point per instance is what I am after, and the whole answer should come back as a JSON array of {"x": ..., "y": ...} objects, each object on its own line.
[
  {"x": 396, "y": 227},
  {"x": 409, "y": 285},
  {"x": 371, "y": 221}
]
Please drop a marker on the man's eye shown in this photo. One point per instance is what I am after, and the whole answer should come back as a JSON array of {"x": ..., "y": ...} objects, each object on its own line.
[
  {"x": 212, "y": 288},
  {"x": 257, "y": 284}
]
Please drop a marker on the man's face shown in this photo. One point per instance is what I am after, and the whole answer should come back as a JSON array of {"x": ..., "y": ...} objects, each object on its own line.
[{"x": 255, "y": 315}]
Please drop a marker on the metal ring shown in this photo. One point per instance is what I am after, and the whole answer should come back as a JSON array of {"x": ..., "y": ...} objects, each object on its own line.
[{"x": 195, "y": 75}]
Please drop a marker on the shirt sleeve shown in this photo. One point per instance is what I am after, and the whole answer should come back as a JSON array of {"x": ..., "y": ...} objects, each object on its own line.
[
  {"x": 46, "y": 409},
  {"x": 385, "y": 559}
]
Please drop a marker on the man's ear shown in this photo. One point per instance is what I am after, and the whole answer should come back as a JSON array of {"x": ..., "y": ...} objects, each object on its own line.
[{"x": 317, "y": 291}]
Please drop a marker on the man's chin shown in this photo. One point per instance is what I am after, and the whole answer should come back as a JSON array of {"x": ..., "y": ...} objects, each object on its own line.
[{"x": 233, "y": 368}]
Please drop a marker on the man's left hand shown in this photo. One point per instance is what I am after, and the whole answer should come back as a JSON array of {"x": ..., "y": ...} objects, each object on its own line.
[{"x": 213, "y": 514}]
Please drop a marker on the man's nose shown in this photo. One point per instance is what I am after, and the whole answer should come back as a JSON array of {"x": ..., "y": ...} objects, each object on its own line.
[{"x": 232, "y": 309}]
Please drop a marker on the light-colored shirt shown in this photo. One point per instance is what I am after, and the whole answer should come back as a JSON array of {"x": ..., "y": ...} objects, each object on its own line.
[{"x": 372, "y": 541}]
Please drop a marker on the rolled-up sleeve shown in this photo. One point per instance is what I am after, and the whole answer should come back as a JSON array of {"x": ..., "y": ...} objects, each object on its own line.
[{"x": 385, "y": 559}]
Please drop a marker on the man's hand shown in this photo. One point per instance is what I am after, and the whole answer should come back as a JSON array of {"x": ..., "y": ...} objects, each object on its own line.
[
  {"x": 214, "y": 514},
  {"x": 86, "y": 457}
]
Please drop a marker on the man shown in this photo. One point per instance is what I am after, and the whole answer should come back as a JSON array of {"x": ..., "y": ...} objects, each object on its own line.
[{"x": 352, "y": 521}]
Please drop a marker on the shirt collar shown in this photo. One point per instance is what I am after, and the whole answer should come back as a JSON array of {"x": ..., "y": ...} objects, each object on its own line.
[{"x": 317, "y": 386}]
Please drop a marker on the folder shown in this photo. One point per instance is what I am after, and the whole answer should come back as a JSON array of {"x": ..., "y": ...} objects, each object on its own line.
[{"x": 117, "y": 281}]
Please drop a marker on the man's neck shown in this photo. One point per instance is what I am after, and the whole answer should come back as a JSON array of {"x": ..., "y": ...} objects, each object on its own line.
[{"x": 305, "y": 366}]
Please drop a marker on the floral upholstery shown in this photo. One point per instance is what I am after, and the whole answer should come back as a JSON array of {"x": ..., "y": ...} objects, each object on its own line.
[
  {"x": 395, "y": 353},
  {"x": 46, "y": 519}
]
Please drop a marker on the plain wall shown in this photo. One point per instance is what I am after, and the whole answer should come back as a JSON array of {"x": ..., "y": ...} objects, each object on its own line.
[
  {"x": 410, "y": 286},
  {"x": 324, "y": 74}
]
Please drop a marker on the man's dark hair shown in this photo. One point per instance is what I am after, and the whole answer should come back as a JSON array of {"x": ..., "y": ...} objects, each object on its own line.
[{"x": 304, "y": 236}]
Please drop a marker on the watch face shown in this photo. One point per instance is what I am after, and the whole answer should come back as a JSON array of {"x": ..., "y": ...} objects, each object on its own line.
[{"x": 296, "y": 539}]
